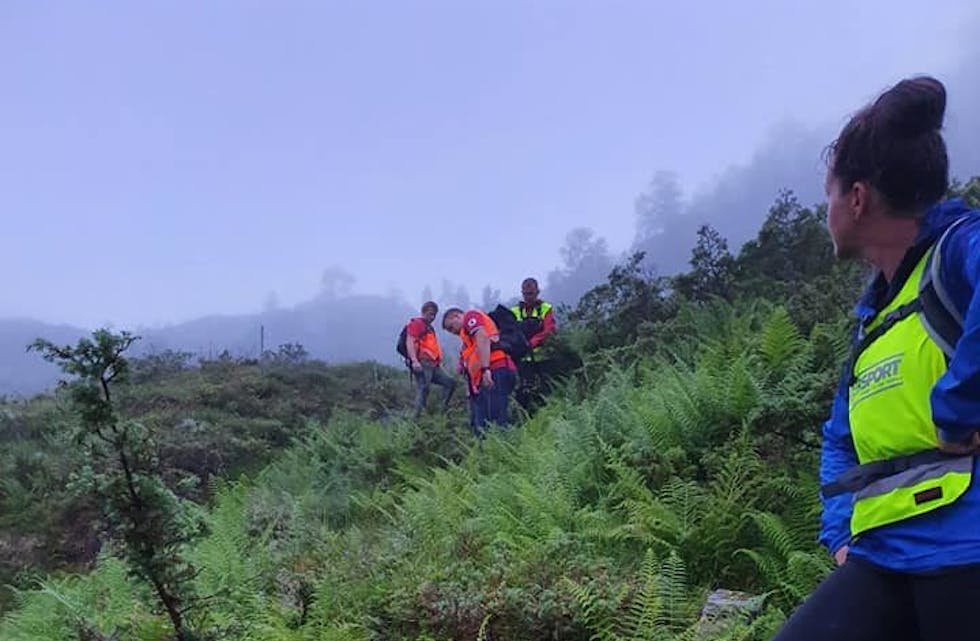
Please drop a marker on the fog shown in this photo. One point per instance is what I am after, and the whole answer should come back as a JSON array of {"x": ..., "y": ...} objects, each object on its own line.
[{"x": 204, "y": 174}]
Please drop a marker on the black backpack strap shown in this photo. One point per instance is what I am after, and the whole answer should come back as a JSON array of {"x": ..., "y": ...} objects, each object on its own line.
[
  {"x": 887, "y": 323},
  {"x": 942, "y": 321}
]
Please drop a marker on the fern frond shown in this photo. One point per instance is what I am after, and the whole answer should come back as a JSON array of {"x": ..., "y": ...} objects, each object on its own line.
[
  {"x": 645, "y": 610},
  {"x": 780, "y": 341},
  {"x": 674, "y": 614}
]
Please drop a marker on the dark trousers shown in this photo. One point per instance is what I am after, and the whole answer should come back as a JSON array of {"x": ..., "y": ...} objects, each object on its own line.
[
  {"x": 490, "y": 405},
  {"x": 862, "y": 602},
  {"x": 430, "y": 375},
  {"x": 534, "y": 383}
]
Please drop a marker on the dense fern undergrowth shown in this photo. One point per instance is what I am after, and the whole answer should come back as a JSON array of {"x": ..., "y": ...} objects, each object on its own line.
[
  {"x": 609, "y": 514},
  {"x": 679, "y": 459}
]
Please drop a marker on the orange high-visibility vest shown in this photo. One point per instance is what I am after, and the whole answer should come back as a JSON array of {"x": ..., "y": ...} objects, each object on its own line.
[
  {"x": 470, "y": 357},
  {"x": 428, "y": 347}
]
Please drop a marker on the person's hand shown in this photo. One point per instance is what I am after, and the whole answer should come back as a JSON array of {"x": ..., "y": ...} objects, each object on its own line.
[
  {"x": 969, "y": 445},
  {"x": 416, "y": 366},
  {"x": 486, "y": 380},
  {"x": 841, "y": 555}
]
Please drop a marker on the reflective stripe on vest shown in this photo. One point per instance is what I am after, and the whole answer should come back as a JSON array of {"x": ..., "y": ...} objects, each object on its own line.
[
  {"x": 891, "y": 416},
  {"x": 910, "y": 493}
]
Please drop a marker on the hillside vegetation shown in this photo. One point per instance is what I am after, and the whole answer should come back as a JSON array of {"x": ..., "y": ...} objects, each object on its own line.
[{"x": 680, "y": 458}]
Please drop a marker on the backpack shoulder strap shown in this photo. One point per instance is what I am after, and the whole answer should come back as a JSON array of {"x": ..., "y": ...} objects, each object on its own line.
[
  {"x": 942, "y": 321},
  {"x": 890, "y": 320}
]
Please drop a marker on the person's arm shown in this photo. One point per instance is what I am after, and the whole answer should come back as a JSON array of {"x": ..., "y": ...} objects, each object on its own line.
[
  {"x": 483, "y": 354},
  {"x": 415, "y": 331},
  {"x": 837, "y": 456},
  {"x": 956, "y": 396},
  {"x": 411, "y": 346},
  {"x": 548, "y": 327}
]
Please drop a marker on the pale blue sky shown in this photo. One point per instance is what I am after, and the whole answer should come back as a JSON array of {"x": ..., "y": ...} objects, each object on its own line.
[{"x": 165, "y": 160}]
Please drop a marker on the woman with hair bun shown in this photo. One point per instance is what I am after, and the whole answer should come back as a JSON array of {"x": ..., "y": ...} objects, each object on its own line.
[{"x": 901, "y": 501}]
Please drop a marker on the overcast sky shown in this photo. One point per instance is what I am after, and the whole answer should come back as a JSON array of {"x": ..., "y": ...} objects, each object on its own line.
[{"x": 164, "y": 160}]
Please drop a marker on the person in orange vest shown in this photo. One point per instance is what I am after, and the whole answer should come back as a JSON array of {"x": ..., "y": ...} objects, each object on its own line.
[
  {"x": 490, "y": 372},
  {"x": 425, "y": 358}
]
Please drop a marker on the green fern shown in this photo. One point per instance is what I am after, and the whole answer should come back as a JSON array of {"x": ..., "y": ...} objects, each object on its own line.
[
  {"x": 789, "y": 567},
  {"x": 658, "y": 604},
  {"x": 598, "y": 614},
  {"x": 780, "y": 342}
]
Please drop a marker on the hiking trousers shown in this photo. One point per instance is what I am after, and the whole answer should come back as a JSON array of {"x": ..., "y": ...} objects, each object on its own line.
[
  {"x": 430, "y": 375},
  {"x": 490, "y": 405},
  {"x": 860, "y": 601}
]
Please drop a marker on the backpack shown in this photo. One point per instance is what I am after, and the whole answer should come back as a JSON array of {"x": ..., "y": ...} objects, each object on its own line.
[
  {"x": 531, "y": 326},
  {"x": 402, "y": 345},
  {"x": 942, "y": 321},
  {"x": 512, "y": 338}
]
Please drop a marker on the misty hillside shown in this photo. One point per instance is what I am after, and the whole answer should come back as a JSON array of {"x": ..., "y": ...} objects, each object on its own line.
[
  {"x": 363, "y": 327},
  {"x": 23, "y": 372},
  {"x": 332, "y": 329},
  {"x": 675, "y": 461},
  {"x": 678, "y": 459},
  {"x": 335, "y": 330},
  {"x": 791, "y": 158}
]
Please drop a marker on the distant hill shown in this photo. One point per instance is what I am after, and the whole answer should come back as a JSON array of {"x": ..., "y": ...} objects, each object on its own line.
[
  {"x": 23, "y": 372},
  {"x": 332, "y": 329}
]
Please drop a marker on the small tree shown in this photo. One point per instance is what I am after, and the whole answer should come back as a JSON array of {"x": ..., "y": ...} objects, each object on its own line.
[
  {"x": 152, "y": 523},
  {"x": 614, "y": 311},
  {"x": 288, "y": 353},
  {"x": 712, "y": 268}
]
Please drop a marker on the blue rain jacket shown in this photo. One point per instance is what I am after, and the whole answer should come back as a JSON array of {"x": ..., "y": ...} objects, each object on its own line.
[{"x": 948, "y": 536}]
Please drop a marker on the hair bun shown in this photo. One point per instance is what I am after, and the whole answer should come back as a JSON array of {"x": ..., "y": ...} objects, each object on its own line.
[{"x": 913, "y": 107}]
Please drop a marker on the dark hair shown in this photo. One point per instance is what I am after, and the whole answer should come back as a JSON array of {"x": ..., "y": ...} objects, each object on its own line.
[
  {"x": 530, "y": 281},
  {"x": 451, "y": 310},
  {"x": 895, "y": 145},
  {"x": 430, "y": 304}
]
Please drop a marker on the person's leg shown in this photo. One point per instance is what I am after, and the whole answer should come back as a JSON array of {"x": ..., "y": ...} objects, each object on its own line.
[
  {"x": 546, "y": 376},
  {"x": 503, "y": 384},
  {"x": 448, "y": 383},
  {"x": 478, "y": 414},
  {"x": 945, "y": 605},
  {"x": 857, "y": 602},
  {"x": 422, "y": 380}
]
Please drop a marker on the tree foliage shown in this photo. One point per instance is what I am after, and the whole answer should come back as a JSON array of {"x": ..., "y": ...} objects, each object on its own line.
[
  {"x": 615, "y": 311},
  {"x": 139, "y": 510},
  {"x": 712, "y": 269},
  {"x": 585, "y": 263}
]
